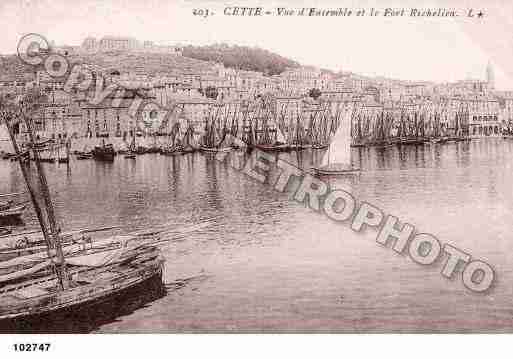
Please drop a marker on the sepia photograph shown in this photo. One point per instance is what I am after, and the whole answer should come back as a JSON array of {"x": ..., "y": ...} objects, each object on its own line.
[{"x": 281, "y": 167}]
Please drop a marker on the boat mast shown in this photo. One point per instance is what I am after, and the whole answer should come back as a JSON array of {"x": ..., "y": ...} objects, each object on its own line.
[
  {"x": 49, "y": 229},
  {"x": 50, "y": 213},
  {"x": 24, "y": 170}
]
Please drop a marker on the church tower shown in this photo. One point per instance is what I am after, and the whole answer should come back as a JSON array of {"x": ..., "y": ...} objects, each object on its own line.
[{"x": 490, "y": 77}]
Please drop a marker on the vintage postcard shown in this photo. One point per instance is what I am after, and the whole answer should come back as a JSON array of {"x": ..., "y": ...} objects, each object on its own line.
[{"x": 255, "y": 167}]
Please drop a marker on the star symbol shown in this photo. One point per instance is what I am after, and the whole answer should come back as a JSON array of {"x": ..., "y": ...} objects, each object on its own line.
[{"x": 480, "y": 14}]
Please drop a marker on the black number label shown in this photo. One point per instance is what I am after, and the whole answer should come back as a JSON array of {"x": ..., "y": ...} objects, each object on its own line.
[{"x": 31, "y": 347}]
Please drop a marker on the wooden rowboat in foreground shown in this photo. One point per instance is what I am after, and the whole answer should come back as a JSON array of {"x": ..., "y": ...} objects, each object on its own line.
[{"x": 86, "y": 284}]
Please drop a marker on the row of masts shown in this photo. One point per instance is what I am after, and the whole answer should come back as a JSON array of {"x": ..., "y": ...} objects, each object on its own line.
[
  {"x": 387, "y": 127},
  {"x": 268, "y": 122}
]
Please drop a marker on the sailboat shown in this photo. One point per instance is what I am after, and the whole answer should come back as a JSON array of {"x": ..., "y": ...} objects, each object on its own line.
[
  {"x": 131, "y": 153},
  {"x": 215, "y": 138},
  {"x": 279, "y": 144},
  {"x": 188, "y": 141},
  {"x": 337, "y": 159},
  {"x": 63, "y": 151}
]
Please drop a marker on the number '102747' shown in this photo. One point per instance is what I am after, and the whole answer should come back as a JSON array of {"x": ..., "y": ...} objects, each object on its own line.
[{"x": 31, "y": 347}]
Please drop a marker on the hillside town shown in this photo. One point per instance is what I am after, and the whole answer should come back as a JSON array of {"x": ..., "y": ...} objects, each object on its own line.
[{"x": 382, "y": 108}]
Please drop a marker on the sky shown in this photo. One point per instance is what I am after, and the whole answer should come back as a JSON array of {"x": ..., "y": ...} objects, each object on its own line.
[{"x": 431, "y": 49}]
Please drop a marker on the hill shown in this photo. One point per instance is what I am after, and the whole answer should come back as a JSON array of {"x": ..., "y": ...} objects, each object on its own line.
[
  {"x": 241, "y": 57},
  {"x": 194, "y": 59},
  {"x": 150, "y": 63}
]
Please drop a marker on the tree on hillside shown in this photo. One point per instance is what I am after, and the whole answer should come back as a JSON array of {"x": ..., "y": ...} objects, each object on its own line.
[
  {"x": 314, "y": 93},
  {"x": 241, "y": 58},
  {"x": 211, "y": 92}
]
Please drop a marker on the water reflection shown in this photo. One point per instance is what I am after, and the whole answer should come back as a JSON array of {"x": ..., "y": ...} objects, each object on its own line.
[{"x": 277, "y": 266}]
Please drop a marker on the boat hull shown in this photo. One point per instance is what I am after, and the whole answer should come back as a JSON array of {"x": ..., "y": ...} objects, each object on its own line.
[
  {"x": 68, "y": 304},
  {"x": 106, "y": 157},
  {"x": 320, "y": 147},
  {"x": 215, "y": 149},
  {"x": 335, "y": 171},
  {"x": 13, "y": 212},
  {"x": 87, "y": 316},
  {"x": 273, "y": 148},
  {"x": 105, "y": 153}
]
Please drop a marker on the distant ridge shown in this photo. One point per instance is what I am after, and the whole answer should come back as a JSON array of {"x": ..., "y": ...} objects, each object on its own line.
[
  {"x": 241, "y": 57},
  {"x": 150, "y": 63},
  {"x": 123, "y": 61}
]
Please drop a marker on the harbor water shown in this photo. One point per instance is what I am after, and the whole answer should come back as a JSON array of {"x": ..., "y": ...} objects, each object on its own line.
[{"x": 270, "y": 264}]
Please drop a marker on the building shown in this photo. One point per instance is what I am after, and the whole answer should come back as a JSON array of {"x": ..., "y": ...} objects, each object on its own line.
[
  {"x": 484, "y": 119},
  {"x": 115, "y": 43},
  {"x": 110, "y": 43}
]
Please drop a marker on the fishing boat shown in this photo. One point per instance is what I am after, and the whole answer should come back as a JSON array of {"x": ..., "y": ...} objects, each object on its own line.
[
  {"x": 188, "y": 149},
  {"x": 10, "y": 210},
  {"x": 189, "y": 143},
  {"x": 6, "y": 205},
  {"x": 322, "y": 146},
  {"x": 63, "y": 151},
  {"x": 215, "y": 137},
  {"x": 46, "y": 150},
  {"x": 279, "y": 144},
  {"x": 59, "y": 282},
  {"x": 91, "y": 280},
  {"x": 172, "y": 151},
  {"x": 215, "y": 149},
  {"x": 105, "y": 152},
  {"x": 414, "y": 141},
  {"x": 84, "y": 156},
  {"x": 31, "y": 242},
  {"x": 337, "y": 159},
  {"x": 13, "y": 212},
  {"x": 131, "y": 151}
]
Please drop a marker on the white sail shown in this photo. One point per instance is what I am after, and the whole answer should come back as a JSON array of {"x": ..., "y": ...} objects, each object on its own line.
[
  {"x": 279, "y": 136},
  {"x": 339, "y": 151}
]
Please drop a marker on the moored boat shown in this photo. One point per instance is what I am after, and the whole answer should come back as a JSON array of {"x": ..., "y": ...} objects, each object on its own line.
[
  {"x": 279, "y": 147},
  {"x": 88, "y": 282},
  {"x": 337, "y": 159},
  {"x": 215, "y": 149},
  {"x": 335, "y": 170},
  {"x": 13, "y": 212},
  {"x": 320, "y": 146},
  {"x": 84, "y": 156},
  {"x": 105, "y": 152}
]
